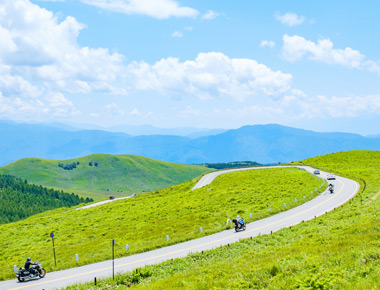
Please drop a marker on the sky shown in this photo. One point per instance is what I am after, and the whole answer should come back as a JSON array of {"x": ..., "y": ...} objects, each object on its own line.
[{"x": 205, "y": 64}]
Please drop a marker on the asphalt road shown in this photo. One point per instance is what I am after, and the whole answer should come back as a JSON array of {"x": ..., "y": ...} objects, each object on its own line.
[{"x": 345, "y": 189}]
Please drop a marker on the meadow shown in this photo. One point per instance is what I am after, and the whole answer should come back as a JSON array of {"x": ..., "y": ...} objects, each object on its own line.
[
  {"x": 99, "y": 176},
  {"x": 144, "y": 220},
  {"x": 339, "y": 250}
]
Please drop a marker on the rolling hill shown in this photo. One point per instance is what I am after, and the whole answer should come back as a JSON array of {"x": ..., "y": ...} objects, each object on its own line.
[
  {"x": 339, "y": 250},
  {"x": 100, "y": 175},
  {"x": 144, "y": 220}
]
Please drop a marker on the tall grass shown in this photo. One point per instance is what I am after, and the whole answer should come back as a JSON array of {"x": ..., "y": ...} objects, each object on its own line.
[
  {"x": 144, "y": 221},
  {"x": 340, "y": 250}
]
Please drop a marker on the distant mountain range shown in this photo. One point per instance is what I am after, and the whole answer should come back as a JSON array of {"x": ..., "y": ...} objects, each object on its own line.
[
  {"x": 261, "y": 143},
  {"x": 139, "y": 129}
]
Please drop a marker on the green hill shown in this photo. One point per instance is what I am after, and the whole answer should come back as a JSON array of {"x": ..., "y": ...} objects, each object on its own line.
[
  {"x": 101, "y": 175},
  {"x": 339, "y": 250},
  {"x": 19, "y": 200},
  {"x": 144, "y": 220}
]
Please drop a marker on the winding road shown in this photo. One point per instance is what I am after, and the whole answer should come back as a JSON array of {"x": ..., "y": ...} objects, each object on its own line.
[{"x": 345, "y": 189}]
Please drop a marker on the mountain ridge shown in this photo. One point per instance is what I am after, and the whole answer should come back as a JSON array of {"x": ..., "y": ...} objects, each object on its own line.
[{"x": 270, "y": 143}]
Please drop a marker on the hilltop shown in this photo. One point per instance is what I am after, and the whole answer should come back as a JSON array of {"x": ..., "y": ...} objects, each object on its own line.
[{"x": 101, "y": 175}]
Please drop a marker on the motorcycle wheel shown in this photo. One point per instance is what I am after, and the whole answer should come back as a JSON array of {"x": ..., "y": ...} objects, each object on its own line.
[
  {"x": 236, "y": 229},
  {"x": 21, "y": 279},
  {"x": 42, "y": 273}
]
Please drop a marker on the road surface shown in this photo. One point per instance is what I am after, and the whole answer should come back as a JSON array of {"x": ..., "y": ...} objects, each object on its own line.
[{"x": 345, "y": 189}]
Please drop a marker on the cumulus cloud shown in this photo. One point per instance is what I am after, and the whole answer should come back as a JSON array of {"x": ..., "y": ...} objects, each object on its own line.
[
  {"x": 160, "y": 9},
  {"x": 40, "y": 56},
  {"x": 210, "y": 15},
  {"x": 268, "y": 43},
  {"x": 302, "y": 106},
  {"x": 290, "y": 19},
  {"x": 210, "y": 75},
  {"x": 296, "y": 47}
]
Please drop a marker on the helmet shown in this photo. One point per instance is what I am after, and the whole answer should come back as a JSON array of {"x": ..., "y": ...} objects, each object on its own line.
[
  {"x": 238, "y": 216},
  {"x": 29, "y": 259}
]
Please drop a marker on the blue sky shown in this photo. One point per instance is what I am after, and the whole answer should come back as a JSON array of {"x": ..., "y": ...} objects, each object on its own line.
[{"x": 206, "y": 64}]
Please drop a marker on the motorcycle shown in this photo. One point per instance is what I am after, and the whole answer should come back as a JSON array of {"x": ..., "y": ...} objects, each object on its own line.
[
  {"x": 239, "y": 224},
  {"x": 331, "y": 188},
  {"x": 34, "y": 272}
]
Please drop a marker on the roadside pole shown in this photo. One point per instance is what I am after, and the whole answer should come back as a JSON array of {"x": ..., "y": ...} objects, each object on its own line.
[
  {"x": 113, "y": 259},
  {"x": 52, "y": 238}
]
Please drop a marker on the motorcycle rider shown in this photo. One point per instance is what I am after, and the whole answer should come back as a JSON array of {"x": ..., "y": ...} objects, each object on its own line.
[
  {"x": 240, "y": 221},
  {"x": 27, "y": 267}
]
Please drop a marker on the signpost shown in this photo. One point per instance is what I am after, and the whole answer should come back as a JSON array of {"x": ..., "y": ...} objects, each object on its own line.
[
  {"x": 52, "y": 238},
  {"x": 113, "y": 259}
]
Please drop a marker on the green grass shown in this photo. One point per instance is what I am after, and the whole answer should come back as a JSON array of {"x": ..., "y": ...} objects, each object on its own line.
[
  {"x": 144, "y": 221},
  {"x": 117, "y": 175},
  {"x": 339, "y": 250}
]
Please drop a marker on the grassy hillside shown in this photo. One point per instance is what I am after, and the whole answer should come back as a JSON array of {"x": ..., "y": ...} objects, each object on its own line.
[
  {"x": 100, "y": 175},
  {"x": 144, "y": 221},
  {"x": 340, "y": 250}
]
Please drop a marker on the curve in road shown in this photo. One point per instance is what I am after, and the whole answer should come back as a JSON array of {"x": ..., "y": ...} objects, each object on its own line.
[{"x": 345, "y": 189}]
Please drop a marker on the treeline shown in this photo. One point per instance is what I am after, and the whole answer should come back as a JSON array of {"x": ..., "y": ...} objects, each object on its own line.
[
  {"x": 234, "y": 164},
  {"x": 19, "y": 200},
  {"x": 70, "y": 166}
]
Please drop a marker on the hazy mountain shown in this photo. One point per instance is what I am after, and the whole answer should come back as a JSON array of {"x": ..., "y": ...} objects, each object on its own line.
[
  {"x": 138, "y": 130},
  {"x": 260, "y": 143},
  {"x": 374, "y": 136}
]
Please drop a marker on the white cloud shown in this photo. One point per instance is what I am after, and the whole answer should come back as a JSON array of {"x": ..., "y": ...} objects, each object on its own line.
[
  {"x": 290, "y": 19},
  {"x": 15, "y": 85},
  {"x": 114, "y": 109},
  {"x": 302, "y": 106},
  {"x": 177, "y": 34},
  {"x": 41, "y": 59},
  {"x": 210, "y": 75},
  {"x": 268, "y": 43},
  {"x": 189, "y": 113},
  {"x": 161, "y": 9},
  {"x": 135, "y": 112},
  {"x": 41, "y": 47},
  {"x": 296, "y": 47},
  {"x": 210, "y": 15},
  {"x": 32, "y": 109}
]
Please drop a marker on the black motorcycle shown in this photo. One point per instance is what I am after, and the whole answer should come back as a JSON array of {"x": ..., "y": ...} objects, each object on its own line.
[
  {"x": 239, "y": 224},
  {"x": 34, "y": 272},
  {"x": 331, "y": 188}
]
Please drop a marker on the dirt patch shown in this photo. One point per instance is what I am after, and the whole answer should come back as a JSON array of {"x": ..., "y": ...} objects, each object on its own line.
[{"x": 373, "y": 198}]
